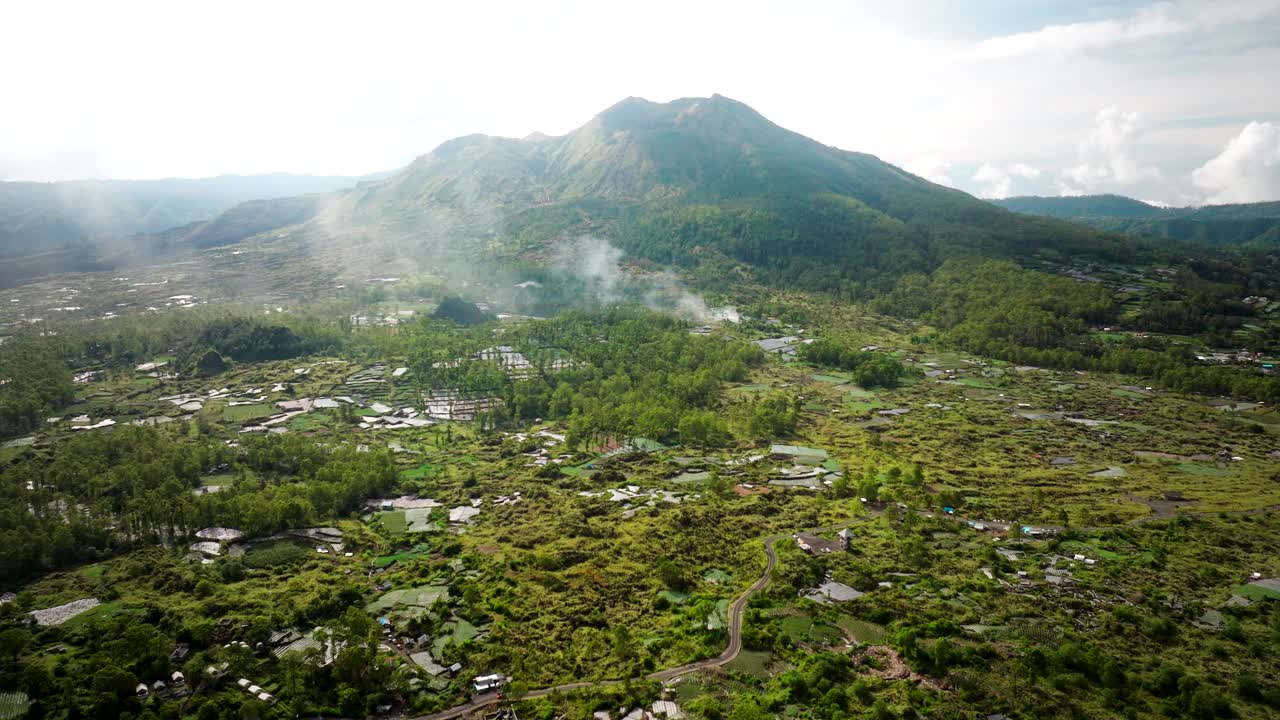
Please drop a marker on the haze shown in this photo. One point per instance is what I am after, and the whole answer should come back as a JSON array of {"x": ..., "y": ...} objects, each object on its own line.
[{"x": 1168, "y": 102}]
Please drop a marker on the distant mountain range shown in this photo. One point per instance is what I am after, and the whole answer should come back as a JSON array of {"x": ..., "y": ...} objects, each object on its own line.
[
  {"x": 703, "y": 184},
  {"x": 77, "y": 225},
  {"x": 1251, "y": 225}
]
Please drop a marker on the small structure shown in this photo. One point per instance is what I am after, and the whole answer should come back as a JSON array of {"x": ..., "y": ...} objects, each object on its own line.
[
  {"x": 488, "y": 683},
  {"x": 798, "y": 454},
  {"x": 178, "y": 678},
  {"x": 815, "y": 545},
  {"x": 846, "y": 539},
  {"x": 141, "y": 691}
]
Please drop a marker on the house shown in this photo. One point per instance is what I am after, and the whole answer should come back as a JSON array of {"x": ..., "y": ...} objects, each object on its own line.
[
  {"x": 179, "y": 652},
  {"x": 141, "y": 691},
  {"x": 488, "y": 683},
  {"x": 815, "y": 545},
  {"x": 178, "y": 679},
  {"x": 454, "y": 669},
  {"x": 158, "y": 686}
]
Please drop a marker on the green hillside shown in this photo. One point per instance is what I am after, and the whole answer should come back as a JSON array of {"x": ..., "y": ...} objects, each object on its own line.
[
  {"x": 701, "y": 181},
  {"x": 1251, "y": 224}
]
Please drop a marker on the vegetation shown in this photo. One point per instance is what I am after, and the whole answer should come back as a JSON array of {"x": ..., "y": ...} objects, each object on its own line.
[{"x": 1018, "y": 424}]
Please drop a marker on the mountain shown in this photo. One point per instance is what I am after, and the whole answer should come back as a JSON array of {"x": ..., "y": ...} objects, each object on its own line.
[
  {"x": 697, "y": 182},
  {"x": 708, "y": 185},
  {"x": 38, "y": 217},
  {"x": 1082, "y": 206},
  {"x": 1250, "y": 225}
]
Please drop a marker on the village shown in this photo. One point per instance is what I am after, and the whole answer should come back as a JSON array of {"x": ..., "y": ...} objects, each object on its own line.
[{"x": 883, "y": 499}]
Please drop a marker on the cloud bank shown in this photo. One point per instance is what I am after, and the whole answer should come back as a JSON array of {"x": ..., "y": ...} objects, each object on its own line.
[{"x": 1247, "y": 169}]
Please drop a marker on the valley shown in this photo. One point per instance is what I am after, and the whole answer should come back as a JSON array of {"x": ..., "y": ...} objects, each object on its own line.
[{"x": 680, "y": 414}]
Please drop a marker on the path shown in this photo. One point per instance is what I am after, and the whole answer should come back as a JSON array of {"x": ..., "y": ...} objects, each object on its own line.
[{"x": 736, "y": 612}]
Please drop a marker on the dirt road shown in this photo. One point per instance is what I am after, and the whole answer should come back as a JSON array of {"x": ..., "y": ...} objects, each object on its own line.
[{"x": 736, "y": 613}]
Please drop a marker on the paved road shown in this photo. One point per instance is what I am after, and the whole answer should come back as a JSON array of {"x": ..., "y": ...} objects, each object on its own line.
[{"x": 736, "y": 612}]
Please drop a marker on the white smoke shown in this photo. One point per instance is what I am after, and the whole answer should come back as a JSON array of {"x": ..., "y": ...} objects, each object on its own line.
[
  {"x": 599, "y": 265},
  {"x": 595, "y": 262}
]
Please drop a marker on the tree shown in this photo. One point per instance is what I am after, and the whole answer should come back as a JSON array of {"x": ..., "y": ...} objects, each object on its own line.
[
  {"x": 211, "y": 363},
  {"x": 701, "y": 428},
  {"x": 13, "y": 641}
]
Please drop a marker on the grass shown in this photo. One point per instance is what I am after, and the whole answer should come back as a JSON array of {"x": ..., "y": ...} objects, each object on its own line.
[
  {"x": 415, "y": 551},
  {"x": 752, "y": 662},
  {"x": 868, "y": 633},
  {"x": 1257, "y": 592},
  {"x": 423, "y": 596},
  {"x": 1203, "y": 470},
  {"x": 102, "y": 612},
  {"x": 1128, "y": 394},
  {"x": 308, "y": 421},
  {"x": 244, "y": 413},
  {"x": 833, "y": 379},
  {"x": 864, "y": 407},
  {"x": 802, "y": 628},
  {"x": 93, "y": 571},
  {"x": 393, "y": 521},
  {"x": 13, "y": 705},
  {"x": 276, "y": 554},
  {"x": 976, "y": 383},
  {"x": 854, "y": 392},
  {"x": 422, "y": 471},
  {"x": 673, "y": 597},
  {"x": 716, "y": 575}
]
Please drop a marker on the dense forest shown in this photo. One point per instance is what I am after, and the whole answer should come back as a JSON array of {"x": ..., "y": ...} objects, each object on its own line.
[
  {"x": 33, "y": 383},
  {"x": 105, "y": 493},
  {"x": 1001, "y": 310}
]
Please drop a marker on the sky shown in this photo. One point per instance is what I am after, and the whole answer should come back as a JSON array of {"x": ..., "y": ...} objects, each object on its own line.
[{"x": 1171, "y": 102}]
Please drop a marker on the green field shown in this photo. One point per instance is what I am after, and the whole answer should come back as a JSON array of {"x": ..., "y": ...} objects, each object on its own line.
[
  {"x": 244, "y": 413},
  {"x": 392, "y": 521},
  {"x": 1203, "y": 470},
  {"x": 276, "y": 554},
  {"x": 417, "y": 473},
  {"x": 13, "y": 705},
  {"x": 864, "y": 632},
  {"x": 416, "y": 551}
]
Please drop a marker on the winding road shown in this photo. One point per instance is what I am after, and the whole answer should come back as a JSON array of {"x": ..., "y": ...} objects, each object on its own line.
[{"x": 736, "y": 612}]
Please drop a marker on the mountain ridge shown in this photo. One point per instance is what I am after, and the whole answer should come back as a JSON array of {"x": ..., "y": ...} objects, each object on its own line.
[{"x": 1255, "y": 225}]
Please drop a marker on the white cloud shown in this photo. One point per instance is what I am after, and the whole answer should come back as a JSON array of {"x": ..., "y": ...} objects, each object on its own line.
[
  {"x": 997, "y": 182},
  {"x": 364, "y": 91},
  {"x": 932, "y": 169},
  {"x": 1106, "y": 154},
  {"x": 1152, "y": 21},
  {"x": 1247, "y": 169}
]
